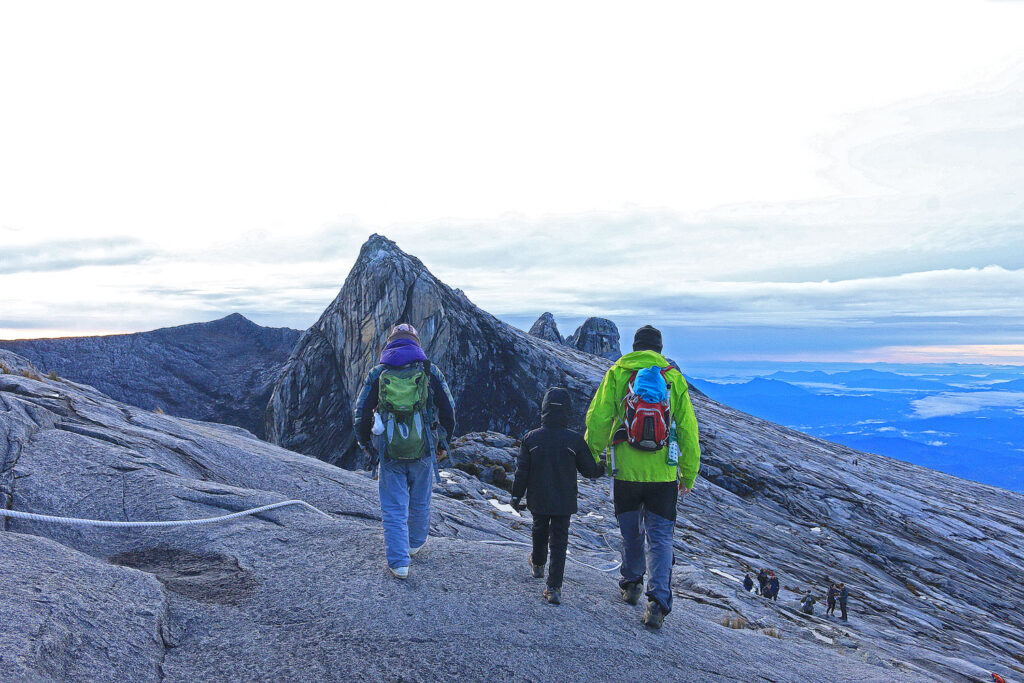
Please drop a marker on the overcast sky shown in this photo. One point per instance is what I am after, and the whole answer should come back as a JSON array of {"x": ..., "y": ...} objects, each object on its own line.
[{"x": 768, "y": 180}]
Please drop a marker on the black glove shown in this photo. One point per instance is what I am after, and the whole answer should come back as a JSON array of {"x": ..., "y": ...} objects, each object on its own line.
[{"x": 517, "y": 504}]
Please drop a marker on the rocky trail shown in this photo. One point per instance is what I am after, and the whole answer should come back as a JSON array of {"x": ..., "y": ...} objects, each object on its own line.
[{"x": 292, "y": 596}]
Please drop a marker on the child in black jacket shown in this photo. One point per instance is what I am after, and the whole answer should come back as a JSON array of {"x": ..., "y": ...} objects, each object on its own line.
[{"x": 546, "y": 472}]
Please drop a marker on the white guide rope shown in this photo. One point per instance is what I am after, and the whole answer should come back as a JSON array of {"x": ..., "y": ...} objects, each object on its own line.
[
  {"x": 117, "y": 524},
  {"x": 74, "y": 521}
]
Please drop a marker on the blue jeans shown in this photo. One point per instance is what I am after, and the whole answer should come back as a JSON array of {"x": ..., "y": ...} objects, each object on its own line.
[
  {"x": 405, "y": 489},
  {"x": 635, "y": 525}
]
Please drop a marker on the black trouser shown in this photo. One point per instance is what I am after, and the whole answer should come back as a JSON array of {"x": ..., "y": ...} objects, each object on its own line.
[
  {"x": 831, "y": 607},
  {"x": 556, "y": 529},
  {"x": 842, "y": 608}
]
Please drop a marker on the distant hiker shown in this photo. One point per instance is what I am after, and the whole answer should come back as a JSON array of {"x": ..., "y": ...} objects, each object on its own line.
[
  {"x": 773, "y": 587},
  {"x": 549, "y": 458},
  {"x": 807, "y": 604},
  {"x": 833, "y": 593},
  {"x": 415, "y": 413},
  {"x": 844, "y": 596},
  {"x": 642, "y": 411},
  {"x": 748, "y": 583},
  {"x": 762, "y": 582}
]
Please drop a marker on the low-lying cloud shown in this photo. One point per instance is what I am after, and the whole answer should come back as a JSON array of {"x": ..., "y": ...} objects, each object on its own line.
[{"x": 944, "y": 405}]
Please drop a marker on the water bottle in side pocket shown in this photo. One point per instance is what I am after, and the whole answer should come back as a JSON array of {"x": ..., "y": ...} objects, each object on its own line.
[{"x": 673, "y": 447}]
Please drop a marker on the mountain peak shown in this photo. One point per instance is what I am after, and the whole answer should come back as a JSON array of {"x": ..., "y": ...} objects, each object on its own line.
[
  {"x": 378, "y": 247},
  {"x": 598, "y": 336},
  {"x": 234, "y": 319},
  {"x": 546, "y": 328},
  {"x": 311, "y": 405}
]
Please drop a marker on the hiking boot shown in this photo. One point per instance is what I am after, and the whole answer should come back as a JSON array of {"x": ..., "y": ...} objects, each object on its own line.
[
  {"x": 553, "y": 595},
  {"x": 414, "y": 551},
  {"x": 631, "y": 593},
  {"x": 400, "y": 572},
  {"x": 654, "y": 617},
  {"x": 537, "y": 569}
]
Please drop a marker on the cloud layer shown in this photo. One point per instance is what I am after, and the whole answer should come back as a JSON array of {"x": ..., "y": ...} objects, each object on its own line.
[{"x": 959, "y": 404}]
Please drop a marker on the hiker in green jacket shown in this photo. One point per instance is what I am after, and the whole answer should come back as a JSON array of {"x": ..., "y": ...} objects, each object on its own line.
[{"x": 642, "y": 411}]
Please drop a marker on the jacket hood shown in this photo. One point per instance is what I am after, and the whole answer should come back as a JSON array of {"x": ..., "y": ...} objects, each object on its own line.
[
  {"x": 554, "y": 410},
  {"x": 400, "y": 352},
  {"x": 637, "y": 360}
]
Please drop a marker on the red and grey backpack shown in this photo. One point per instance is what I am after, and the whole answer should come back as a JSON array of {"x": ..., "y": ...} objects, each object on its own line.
[{"x": 647, "y": 411}]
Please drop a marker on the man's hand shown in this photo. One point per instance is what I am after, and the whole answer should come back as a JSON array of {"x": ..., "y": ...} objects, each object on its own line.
[
  {"x": 682, "y": 488},
  {"x": 517, "y": 504}
]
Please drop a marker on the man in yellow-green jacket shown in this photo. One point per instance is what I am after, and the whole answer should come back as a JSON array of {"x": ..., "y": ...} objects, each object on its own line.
[{"x": 640, "y": 402}]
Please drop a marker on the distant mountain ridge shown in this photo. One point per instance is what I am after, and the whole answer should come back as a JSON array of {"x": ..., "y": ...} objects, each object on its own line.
[
  {"x": 970, "y": 430},
  {"x": 867, "y": 378},
  {"x": 218, "y": 371}
]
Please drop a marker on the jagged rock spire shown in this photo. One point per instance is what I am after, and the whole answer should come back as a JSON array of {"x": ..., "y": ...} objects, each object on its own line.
[
  {"x": 598, "y": 336},
  {"x": 546, "y": 328},
  {"x": 497, "y": 373}
]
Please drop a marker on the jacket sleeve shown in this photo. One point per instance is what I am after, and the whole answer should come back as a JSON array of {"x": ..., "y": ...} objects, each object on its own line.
[
  {"x": 443, "y": 400},
  {"x": 601, "y": 416},
  {"x": 686, "y": 430},
  {"x": 366, "y": 403},
  {"x": 522, "y": 471},
  {"x": 585, "y": 463}
]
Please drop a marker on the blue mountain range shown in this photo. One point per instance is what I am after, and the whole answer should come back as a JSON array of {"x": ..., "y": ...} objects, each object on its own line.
[{"x": 969, "y": 425}]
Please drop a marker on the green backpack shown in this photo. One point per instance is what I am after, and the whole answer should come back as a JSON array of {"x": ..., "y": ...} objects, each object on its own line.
[{"x": 402, "y": 400}]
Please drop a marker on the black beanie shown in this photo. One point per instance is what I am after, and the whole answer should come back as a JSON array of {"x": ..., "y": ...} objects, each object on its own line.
[{"x": 647, "y": 338}]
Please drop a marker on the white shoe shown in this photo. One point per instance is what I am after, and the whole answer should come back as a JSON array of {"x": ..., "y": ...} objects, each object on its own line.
[
  {"x": 414, "y": 551},
  {"x": 400, "y": 572}
]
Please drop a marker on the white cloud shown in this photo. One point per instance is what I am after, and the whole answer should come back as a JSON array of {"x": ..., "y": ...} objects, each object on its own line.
[{"x": 942, "y": 405}]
